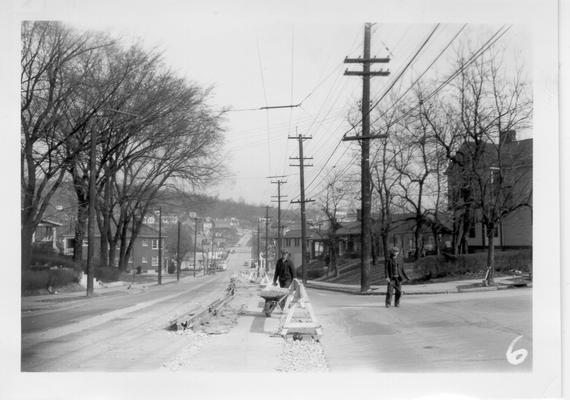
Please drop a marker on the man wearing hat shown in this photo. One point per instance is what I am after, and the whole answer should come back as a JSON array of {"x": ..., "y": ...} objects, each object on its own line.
[
  {"x": 284, "y": 270},
  {"x": 394, "y": 275}
]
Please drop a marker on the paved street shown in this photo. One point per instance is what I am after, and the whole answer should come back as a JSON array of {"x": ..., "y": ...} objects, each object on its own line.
[
  {"x": 121, "y": 330},
  {"x": 464, "y": 332}
]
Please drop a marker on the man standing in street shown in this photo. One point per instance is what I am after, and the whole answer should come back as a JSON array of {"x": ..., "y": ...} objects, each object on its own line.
[
  {"x": 284, "y": 270},
  {"x": 394, "y": 275}
]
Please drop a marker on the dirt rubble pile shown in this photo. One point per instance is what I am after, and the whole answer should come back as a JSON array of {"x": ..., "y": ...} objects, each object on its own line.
[
  {"x": 184, "y": 358},
  {"x": 306, "y": 355},
  {"x": 298, "y": 354}
]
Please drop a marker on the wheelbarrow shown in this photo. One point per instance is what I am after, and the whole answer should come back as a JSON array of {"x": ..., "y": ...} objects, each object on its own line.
[{"x": 273, "y": 297}]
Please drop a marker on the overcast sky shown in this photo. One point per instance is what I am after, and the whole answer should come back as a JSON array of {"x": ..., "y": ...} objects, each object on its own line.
[
  {"x": 274, "y": 55},
  {"x": 257, "y": 63}
]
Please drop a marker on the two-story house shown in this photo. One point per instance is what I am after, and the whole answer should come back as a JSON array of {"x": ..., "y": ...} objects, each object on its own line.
[
  {"x": 145, "y": 251},
  {"x": 511, "y": 161}
]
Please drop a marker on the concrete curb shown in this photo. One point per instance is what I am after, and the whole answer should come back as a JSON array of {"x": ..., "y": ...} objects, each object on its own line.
[
  {"x": 379, "y": 292},
  {"x": 373, "y": 292}
]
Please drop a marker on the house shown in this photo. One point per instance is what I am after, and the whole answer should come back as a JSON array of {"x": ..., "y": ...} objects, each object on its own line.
[
  {"x": 402, "y": 235},
  {"x": 514, "y": 164},
  {"x": 187, "y": 262},
  {"x": 292, "y": 242},
  {"x": 45, "y": 235},
  {"x": 144, "y": 253}
]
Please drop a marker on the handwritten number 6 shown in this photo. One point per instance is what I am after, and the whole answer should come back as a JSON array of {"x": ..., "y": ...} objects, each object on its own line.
[{"x": 518, "y": 356}]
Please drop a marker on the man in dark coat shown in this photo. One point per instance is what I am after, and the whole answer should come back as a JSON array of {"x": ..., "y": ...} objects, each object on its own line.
[
  {"x": 394, "y": 275},
  {"x": 284, "y": 270}
]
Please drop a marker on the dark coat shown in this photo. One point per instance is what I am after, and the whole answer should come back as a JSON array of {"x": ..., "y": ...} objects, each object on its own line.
[
  {"x": 395, "y": 269},
  {"x": 285, "y": 272}
]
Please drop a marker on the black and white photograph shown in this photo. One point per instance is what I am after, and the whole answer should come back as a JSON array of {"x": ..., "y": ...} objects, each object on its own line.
[{"x": 216, "y": 198}]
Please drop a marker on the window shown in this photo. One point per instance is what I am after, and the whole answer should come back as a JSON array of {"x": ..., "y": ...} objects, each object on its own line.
[
  {"x": 297, "y": 242},
  {"x": 154, "y": 244},
  {"x": 145, "y": 242},
  {"x": 144, "y": 260},
  {"x": 155, "y": 261},
  {"x": 288, "y": 242}
]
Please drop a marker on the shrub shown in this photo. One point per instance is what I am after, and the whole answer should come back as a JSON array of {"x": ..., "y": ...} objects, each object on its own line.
[
  {"x": 47, "y": 258},
  {"x": 34, "y": 280},
  {"x": 107, "y": 274},
  {"x": 445, "y": 265},
  {"x": 171, "y": 267}
]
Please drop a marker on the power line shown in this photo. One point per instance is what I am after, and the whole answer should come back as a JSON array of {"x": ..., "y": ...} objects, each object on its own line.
[
  {"x": 378, "y": 101},
  {"x": 489, "y": 43},
  {"x": 265, "y": 99},
  {"x": 398, "y": 76}
]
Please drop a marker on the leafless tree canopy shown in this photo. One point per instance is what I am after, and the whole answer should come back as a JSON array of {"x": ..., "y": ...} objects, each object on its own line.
[{"x": 153, "y": 129}]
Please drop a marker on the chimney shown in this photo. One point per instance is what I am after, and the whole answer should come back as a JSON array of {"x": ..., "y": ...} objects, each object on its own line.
[{"x": 508, "y": 137}]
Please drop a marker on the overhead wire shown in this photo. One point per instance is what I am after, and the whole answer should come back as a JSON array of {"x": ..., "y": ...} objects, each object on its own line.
[
  {"x": 386, "y": 91},
  {"x": 267, "y": 112},
  {"x": 291, "y": 98},
  {"x": 486, "y": 46}
]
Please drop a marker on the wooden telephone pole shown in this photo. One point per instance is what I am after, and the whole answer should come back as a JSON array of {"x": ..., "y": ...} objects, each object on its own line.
[
  {"x": 301, "y": 166},
  {"x": 267, "y": 239},
  {"x": 279, "y": 182},
  {"x": 258, "y": 248},
  {"x": 366, "y": 60}
]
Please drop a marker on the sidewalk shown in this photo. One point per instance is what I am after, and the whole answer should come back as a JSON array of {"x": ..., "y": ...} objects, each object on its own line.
[
  {"x": 45, "y": 301},
  {"x": 251, "y": 345},
  {"x": 459, "y": 286}
]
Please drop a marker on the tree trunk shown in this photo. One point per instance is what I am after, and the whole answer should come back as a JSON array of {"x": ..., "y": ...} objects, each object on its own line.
[
  {"x": 26, "y": 245},
  {"x": 112, "y": 253},
  {"x": 417, "y": 238},
  {"x": 82, "y": 214},
  {"x": 124, "y": 254},
  {"x": 103, "y": 251},
  {"x": 436, "y": 241},
  {"x": 491, "y": 254}
]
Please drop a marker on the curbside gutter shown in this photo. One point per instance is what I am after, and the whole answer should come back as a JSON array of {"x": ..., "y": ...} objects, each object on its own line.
[{"x": 454, "y": 287}]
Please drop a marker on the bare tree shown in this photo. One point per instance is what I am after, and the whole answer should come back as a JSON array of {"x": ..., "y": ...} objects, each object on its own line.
[
  {"x": 493, "y": 104},
  {"x": 50, "y": 76},
  {"x": 330, "y": 204},
  {"x": 415, "y": 167},
  {"x": 385, "y": 177}
]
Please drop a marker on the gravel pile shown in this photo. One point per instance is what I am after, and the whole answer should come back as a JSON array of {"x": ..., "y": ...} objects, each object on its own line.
[
  {"x": 184, "y": 358},
  {"x": 305, "y": 355}
]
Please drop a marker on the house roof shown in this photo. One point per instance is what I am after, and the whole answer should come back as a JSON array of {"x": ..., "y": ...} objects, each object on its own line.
[
  {"x": 517, "y": 153},
  {"x": 46, "y": 222},
  {"x": 350, "y": 228},
  {"x": 296, "y": 233}
]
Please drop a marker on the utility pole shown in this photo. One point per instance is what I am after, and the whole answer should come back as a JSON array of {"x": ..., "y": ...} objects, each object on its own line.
[
  {"x": 364, "y": 138},
  {"x": 160, "y": 245},
  {"x": 301, "y": 166},
  {"x": 91, "y": 217},
  {"x": 258, "y": 249},
  {"x": 195, "y": 245},
  {"x": 279, "y": 182},
  {"x": 213, "y": 239},
  {"x": 178, "y": 254},
  {"x": 267, "y": 238}
]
